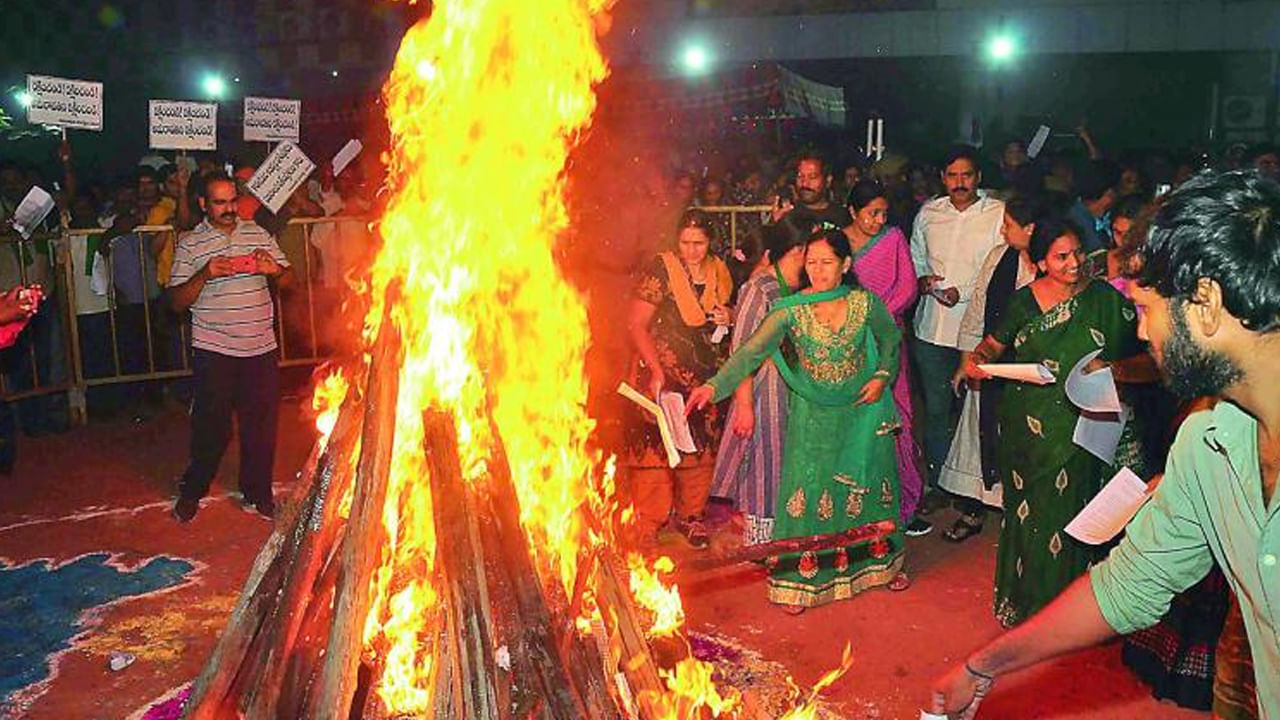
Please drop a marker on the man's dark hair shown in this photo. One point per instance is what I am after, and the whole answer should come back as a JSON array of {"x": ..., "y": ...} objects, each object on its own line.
[
  {"x": 1130, "y": 207},
  {"x": 815, "y": 156},
  {"x": 961, "y": 152},
  {"x": 212, "y": 178},
  {"x": 1224, "y": 227},
  {"x": 788, "y": 233},
  {"x": 1025, "y": 208},
  {"x": 1097, "y": 177}
]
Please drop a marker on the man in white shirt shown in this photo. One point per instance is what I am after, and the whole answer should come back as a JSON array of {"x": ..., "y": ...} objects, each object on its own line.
[
  {"x": 951, "y": 237},
  {"x": 222, "y": 271}
]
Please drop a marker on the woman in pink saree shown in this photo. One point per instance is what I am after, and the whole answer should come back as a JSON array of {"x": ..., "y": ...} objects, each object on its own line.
[{"x": 882, "y": 263}]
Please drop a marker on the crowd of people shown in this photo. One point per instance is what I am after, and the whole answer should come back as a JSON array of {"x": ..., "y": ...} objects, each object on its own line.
[
  {"x": 835, "y": 359},
  {"x": 832, "y": 338},
  {"x": 121, "y": 253}
]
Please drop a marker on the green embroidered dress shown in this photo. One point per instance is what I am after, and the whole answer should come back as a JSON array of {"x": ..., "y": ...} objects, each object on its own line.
[
  {"x": 1047, "y": 478},
  {"x": 839, "y": 468}
]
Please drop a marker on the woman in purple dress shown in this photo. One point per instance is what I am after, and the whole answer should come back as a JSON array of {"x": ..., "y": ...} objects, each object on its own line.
[{"x": 882, "y": 262}]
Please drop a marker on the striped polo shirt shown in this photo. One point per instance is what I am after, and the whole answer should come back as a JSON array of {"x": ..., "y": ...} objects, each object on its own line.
[{"x": 233, "y": 315}]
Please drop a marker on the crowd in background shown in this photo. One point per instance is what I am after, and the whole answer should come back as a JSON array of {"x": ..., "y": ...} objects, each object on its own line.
[{"x": 831, "y": 343}]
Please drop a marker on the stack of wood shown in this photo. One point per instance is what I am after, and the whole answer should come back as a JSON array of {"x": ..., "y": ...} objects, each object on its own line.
[{"x": 505, "y": 646}]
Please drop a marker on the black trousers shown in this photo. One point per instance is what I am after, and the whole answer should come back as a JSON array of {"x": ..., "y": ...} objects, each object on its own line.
[{"x": 249, "y": 389}]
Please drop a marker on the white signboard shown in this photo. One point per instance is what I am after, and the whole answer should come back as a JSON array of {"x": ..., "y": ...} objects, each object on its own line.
[
  {"x": 64, "y": 103},
  {"x": 280, "y": 174},
  {"x": 271, "y": 119},
  {"x": 181, "y": 125},
  {"x": 346, "y": 155}
]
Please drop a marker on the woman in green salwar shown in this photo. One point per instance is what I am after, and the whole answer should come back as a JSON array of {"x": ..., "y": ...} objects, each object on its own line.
[
  {"x": 839, "y": 469},
  {"x": 1056, "y": 320}
]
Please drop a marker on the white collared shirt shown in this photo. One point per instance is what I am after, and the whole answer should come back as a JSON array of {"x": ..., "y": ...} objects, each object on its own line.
[{"x": 953, "y": 245}]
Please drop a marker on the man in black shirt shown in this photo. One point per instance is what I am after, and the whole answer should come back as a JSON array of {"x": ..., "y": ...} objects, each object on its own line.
[{"x": 812, "y": 195}]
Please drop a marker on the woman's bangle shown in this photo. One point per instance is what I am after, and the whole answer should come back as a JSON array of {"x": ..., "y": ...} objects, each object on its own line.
[
  {"x": 881, "y": 374},
  {"x": 981, "y": 676}
]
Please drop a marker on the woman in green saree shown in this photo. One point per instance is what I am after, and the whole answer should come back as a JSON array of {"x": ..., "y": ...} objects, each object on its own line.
[
  {"x": 839, "y": 468},
  {"x": 1056, "y": 320}
]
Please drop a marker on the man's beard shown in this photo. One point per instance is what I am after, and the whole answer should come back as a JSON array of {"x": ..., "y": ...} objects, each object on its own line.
[{"x": 1190, "y": 370}]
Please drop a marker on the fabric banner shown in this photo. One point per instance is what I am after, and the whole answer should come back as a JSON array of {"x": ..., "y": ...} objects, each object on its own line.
[{"x": 824, "y": 104}]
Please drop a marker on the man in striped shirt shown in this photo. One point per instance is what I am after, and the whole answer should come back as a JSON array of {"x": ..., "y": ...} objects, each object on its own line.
[{"x": 221, "y": 272}]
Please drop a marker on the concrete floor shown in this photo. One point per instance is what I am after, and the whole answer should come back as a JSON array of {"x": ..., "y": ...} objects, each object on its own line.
[{"x": 105, "y": 489}]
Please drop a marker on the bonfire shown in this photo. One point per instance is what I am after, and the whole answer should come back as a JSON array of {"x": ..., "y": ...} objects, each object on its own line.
[{"x": 452, "y": 551}]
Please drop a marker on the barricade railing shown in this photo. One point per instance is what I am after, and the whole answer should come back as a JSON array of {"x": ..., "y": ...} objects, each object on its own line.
[
  {"x": 735, "y": 212},
  {"x": 35, "y": 364},
  {"x": 107, "y": 319}
]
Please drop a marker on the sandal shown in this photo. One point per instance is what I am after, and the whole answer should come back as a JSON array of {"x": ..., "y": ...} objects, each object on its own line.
[
  {"x": 900, "y": 582},
  {"x": 965, "y": 527},
  {"x": 792, "y": 610}
]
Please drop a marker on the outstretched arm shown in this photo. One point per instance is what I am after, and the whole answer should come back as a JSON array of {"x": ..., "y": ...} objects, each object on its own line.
[
  {"x": 744, "y": 360},
  {"x": 1073, "y": 621}
]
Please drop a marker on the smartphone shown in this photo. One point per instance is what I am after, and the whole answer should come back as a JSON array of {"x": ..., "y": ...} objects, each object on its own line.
[{"x": 244, "y": 264}]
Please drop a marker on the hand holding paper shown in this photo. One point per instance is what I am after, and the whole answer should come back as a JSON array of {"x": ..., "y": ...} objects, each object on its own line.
[
  {"x": 1110, "y": 510},
  {"x": 669, "y": 413},
  {"x": 1033, "y": 373}
]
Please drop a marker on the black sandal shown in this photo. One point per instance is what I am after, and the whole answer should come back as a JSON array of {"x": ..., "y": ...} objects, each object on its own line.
[{"x": 965, "y": 527}]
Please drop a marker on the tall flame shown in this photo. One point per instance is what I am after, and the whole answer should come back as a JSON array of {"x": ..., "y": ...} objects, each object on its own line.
[{"x": 484, "y": 103}]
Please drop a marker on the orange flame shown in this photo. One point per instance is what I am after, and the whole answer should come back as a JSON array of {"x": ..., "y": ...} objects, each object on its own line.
[
  {"x": 650, "y": 592},
  {"x": 808, "y": 710},
  {"x": 484, "y": 102},
  {"x": 326, "y": 401}
]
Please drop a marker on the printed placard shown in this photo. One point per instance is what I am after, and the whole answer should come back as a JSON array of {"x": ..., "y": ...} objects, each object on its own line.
[
  {"x": 183, "y": 125},
  {"x": 64, "y": 103},
  {"x": 280, "y": 174},
  {"x": 272, "y": 119}
]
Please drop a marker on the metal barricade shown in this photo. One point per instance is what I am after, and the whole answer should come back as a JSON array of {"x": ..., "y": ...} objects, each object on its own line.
[
  {"x": 735, "y": 226},
  {"x": 120, "y": 327},
  {"x": 37, "y": 364}
]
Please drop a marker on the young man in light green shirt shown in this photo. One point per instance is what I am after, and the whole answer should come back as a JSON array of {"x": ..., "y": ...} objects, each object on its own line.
[{"x": 1209, "y": 296}]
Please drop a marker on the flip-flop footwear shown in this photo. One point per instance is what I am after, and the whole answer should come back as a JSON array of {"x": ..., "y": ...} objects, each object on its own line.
[{"x": 965, "y": 527}]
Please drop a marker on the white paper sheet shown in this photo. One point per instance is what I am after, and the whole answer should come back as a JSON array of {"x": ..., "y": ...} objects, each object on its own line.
[
  {"x": 1110, "y": 510},
  {"x": 346, "y": 155},
  {"x": 32, "y": 211},
  {"x": 1033, "y": 373},
  {"x": 664, "y": 428},
  {"x": 1094, "y": 392},
  {"x": 672, "y": 405},
  {"x": 1099, "y": 433},
  {"x": 1037, "y": 141}
]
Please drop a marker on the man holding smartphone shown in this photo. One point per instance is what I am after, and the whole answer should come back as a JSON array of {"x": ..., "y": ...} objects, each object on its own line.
[
  {"x": 222, "y": 272},
  {"x": 952, "y": 236}
]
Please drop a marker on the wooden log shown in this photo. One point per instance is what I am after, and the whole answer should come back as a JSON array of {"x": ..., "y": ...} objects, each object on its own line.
[
  {"x": 634, "y": 658},
  {"x": 315, "y": 532},
  {"x": 257, "y": 599},
  {"x": 571, "y": 683},
  {"x": 462, "y": 571},
  {"x": 365, "y": 536},
  {"x": 750, "y": 553}
]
